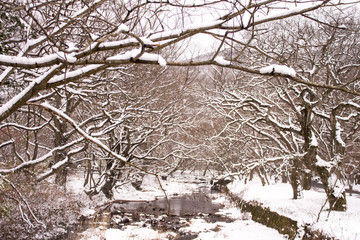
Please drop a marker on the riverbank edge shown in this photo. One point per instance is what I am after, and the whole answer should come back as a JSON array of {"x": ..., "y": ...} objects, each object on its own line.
[{"x": 282, "y": 224}]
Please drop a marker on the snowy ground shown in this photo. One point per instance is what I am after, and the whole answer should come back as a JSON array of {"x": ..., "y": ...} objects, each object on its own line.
[
  {"x": 341, "y": 225},
  {"x": 239, "y": 228}
]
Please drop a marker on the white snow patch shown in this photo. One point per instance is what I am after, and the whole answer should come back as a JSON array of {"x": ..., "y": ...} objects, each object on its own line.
[
  {"x": 71, "y": 46},
  {"x": 314, "y": 141},
  {"x": 144, "y": 56},
  {"x": 75, "y": 73},
  {"x": 126, "y": 56},
  {"x": 322, "y": 163},
  {"x": 147, "y": 41},
  {"x": 94, "y": 36},
  {"x": 354, "y": 105},
  {"x": 161, "y": 61},
  {"x": 151, "y": 188},
  {"x": 132, "y": 232},
  {"x": 338, "y": 131},
  {"x": 241, "y": 229},
  {"x": 123, "y": 28},
  {"x": 281, "y": 69},
  {"x": 86, "y": 212},
  {"x": 336, "y": 186},
  {"x": 222, "y": 61}
]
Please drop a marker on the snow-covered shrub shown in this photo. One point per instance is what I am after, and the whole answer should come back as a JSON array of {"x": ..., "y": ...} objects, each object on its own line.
[{"x": 54, "y": 210}]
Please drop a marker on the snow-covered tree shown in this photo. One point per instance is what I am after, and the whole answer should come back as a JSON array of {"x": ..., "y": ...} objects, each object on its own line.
[{"x": 301, "y": 121}]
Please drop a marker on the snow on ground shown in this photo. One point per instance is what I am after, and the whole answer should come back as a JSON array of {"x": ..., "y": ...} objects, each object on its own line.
[
  {"x": 131, "y": 232},
  {"x": 342, "y": 225},
  {"x": 241, "y": 228}
]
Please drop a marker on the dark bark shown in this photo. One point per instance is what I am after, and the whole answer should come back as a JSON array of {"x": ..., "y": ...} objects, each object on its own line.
[
  {"x": 306, "y": 181},
  {"x": 284, "y": 178},
  {"x": 60, "y": 140},
  {"x": 296, "y": 180},
  {"x": 261, "y": 176},
  {"x": 296, "y": 184}
]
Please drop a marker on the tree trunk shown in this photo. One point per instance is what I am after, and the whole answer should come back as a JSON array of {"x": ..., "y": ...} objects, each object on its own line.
[
  {"x": 284, "y": 178},
  {"x": 251, "y": 175},
  {"x": 337, "y": 199},
  {"x": 350, "y": 190},
  {"x": 61, "y": 176},
  {"x": 307, "y": 181},
  {"x": 296, "y": 184},
  {"x": 108, "y": 186},
  {"x": 60, "y": 140}
]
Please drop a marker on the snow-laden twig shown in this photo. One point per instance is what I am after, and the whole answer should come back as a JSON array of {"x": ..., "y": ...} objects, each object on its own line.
[
  {"x": 138, "y": 54},
  {"x": 15, "y": 125},
  {"x": 7, "y": 143},
  {"x": 278, "y": 69},
  {"x": 40, "y": 159},
  {"x": 33, "y": 43},
  {"x": 27, "y": 62}
]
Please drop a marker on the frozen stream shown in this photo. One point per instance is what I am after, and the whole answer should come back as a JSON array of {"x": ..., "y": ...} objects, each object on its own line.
[{"x": 194, "y": 214}]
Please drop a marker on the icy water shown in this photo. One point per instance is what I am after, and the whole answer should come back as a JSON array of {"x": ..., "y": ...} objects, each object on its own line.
[{"x": 189, "y": 204}]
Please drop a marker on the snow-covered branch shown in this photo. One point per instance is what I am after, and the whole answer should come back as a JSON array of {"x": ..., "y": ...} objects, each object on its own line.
[{"x": 87, "y": 136}]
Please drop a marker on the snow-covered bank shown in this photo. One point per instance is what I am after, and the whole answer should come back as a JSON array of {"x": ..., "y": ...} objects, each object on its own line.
[{"x": 277, "y": 197}]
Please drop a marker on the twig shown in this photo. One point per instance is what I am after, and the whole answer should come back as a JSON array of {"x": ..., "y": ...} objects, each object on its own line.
[
  {"x": 322, "y": 207},
  {"x": 164, "y": 191}
]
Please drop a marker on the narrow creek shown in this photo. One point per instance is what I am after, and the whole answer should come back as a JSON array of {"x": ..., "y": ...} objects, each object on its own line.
[
  {"x": 196, "y": 214},
  {"x": 155, "y": 214}
]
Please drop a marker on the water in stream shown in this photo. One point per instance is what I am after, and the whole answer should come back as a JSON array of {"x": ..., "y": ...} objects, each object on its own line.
[
  {"x": 155, "y": 214},
  {"x": 190, "y": 204}
]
